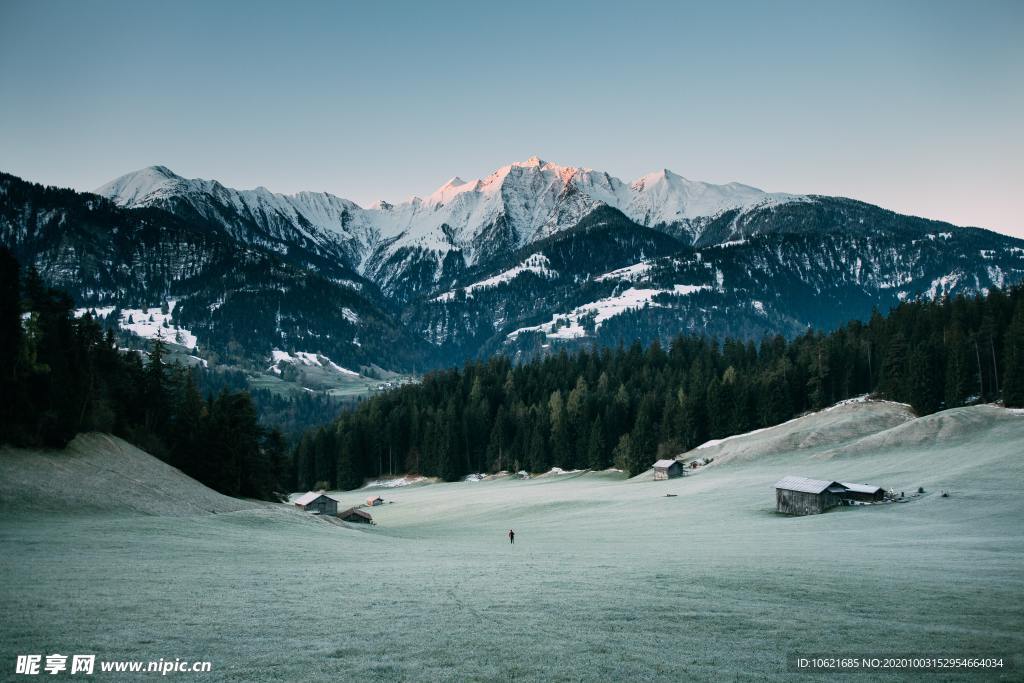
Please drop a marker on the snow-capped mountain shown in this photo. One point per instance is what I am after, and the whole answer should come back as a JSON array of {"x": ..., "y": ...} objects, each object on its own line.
[
  {"x": 477, "y": 220},
  {"x": 235, "y": 298},
  {"x": 320, "y": 222},
  {"x": 532, "y": 257}
]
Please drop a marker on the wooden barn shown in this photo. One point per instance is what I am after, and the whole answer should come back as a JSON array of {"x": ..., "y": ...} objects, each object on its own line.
[
  {"x": 863, "y": 492},
  {"x": 668, "y": 469},
  {"x": 317, "y": 502},
  {"x": 803, "y": 496},
  {"x": 356, "y": 516},
  {"x": 374, "y": 501}
]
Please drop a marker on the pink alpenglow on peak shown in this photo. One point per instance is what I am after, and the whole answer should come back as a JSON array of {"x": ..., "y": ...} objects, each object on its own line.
[{"x": 530, "y": 200}]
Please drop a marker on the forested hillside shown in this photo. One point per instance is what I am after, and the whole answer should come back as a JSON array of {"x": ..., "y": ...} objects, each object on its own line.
[
  {"x": 627, "y": 406},
  {"x": 591, "y": 409},
  {"x": 64, "y": 375}
]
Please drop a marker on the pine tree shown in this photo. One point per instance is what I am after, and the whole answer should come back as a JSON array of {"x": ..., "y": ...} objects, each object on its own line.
[
  {"x": 643, "y": 437},
  {"x": 498, "y": 444},
  {"x": 818, "y": 386},
  {"x": 894, "y": 368},
  {"x": 11, "y": 347},
  {"x": 959, "y": 378},
  {"x": 623, "y": 453},
  {"x": 1013, "y": 363},
  {"x": 188, "y": 438},
  {"x": 155, "y": 390},
  {"x": 925, "y": 382},
  {"x": 276, "y": 451},
  {"x": 596, "y": 450}
]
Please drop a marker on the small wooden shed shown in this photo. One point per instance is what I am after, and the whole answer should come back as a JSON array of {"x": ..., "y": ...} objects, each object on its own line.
[
  {"x": 804, "y": 496},
  {"x": 374, "y": 501},
  {"x": 668, "y": 469},
  {"x": 356, "y": 516},
  {"x": 863, "y": 492},
  {"x": 317, "y": 502}
]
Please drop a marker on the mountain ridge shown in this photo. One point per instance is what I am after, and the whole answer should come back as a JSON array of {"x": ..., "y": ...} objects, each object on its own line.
[
  {"x": 534, "y": 257},
  {"x": 515, "y": 205}
]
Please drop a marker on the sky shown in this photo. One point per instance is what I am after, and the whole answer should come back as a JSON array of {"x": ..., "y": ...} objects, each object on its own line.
[{"x": 914, "y": 106}]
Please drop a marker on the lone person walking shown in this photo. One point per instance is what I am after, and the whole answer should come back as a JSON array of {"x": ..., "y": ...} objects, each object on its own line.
[{"x": 511, "y": 536}]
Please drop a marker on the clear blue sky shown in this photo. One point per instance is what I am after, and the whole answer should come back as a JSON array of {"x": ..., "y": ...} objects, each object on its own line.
[{"x": 916, "y": 106}]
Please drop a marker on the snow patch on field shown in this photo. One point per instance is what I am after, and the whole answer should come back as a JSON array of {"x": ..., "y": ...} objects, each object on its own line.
[
  {"x": 863, "y": 398},
  {"x": 98, "y": 312},
  {"x": 397, "y": 482},
  {"x": 151, "y": 323},
  {"x": 571, "y": 325},
  {"x": 303, "y": 358},
  {"x": 148, "y": 323},
  {"x": 559, "y": 470}
]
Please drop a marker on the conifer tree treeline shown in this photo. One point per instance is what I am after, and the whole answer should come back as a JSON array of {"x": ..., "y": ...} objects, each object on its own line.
[
  {"x": 63, "y": 375},
  {"x": 627, "y": 406}
]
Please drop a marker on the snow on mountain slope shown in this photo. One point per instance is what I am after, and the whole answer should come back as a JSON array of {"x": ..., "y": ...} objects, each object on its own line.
[
  {"x": 302, "y": 358},
  {"x": 536, "y": 263},
  {"x": 536, "y": 199},
  {"x": 514, "y": 206},
  {"x": 330, "y": 223},
  {"x": 628, "y": 273},
  {"x": 147, "y": 323},
  {"x": 574, "y": 325},
  {"x": 667, "y": 198}
]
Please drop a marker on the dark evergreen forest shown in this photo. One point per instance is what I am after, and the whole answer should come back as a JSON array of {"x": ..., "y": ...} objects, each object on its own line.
[
  {"x": 64, "y": 375},
  {"x": 620, "y": 407},
  {"x": 625, "y": 407}
]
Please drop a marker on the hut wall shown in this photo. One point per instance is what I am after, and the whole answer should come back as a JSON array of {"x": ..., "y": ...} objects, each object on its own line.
[
  {"x": 323, "y": 506},
  {"x": 801, "y": 503},
  {"x": 858, "y": 495},
  {"x": 671, "y": 472},
  {"x": 355, "y": 519}
]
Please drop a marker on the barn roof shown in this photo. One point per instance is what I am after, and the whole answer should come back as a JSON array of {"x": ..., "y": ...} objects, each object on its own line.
[
  {"x": 806, "y": 485},
  {"x": 663, "y": 464},
  {"x": 355, "y": 511},
  {"x": 307, "y": 498},
  {"x": 862, "y": 488}
]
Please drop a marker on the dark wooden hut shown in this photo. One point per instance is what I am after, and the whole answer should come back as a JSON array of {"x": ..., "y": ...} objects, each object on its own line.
[
  {"x": 803, "y": 496},
  {"x": 356, "y": 516},
  {"x": 668, "y": 469},
  {"x": 317, "y": 502},
  {"x": 863, "y": 492}
]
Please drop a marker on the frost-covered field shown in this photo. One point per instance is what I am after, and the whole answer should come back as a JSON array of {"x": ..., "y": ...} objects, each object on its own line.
[{"x": 609, "y": 579}]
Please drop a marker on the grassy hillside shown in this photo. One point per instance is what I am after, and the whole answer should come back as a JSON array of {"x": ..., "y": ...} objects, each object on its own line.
[
  {"x": 609, "y": 578},
  {"x": 102, "y": 473}
]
